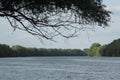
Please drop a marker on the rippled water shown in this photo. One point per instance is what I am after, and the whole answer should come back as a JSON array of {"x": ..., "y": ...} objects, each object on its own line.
[{"x": 60, "y": 68}]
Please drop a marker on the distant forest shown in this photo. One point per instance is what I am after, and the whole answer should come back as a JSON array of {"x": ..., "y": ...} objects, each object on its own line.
[
  {"x": 96, "y": 49},
  {"x": 20, "y": 51},
  {"x": 111, "y": 49}
]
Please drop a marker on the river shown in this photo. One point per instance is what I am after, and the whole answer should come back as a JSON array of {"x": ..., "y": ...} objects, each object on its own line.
[{"x": 60, "y": 68}]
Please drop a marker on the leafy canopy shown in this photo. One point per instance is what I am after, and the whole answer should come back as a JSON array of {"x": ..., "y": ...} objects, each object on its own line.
[{"x": 50, "y": 18}]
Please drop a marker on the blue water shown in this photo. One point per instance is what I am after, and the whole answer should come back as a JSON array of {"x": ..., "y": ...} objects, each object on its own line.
[{"x": 60, "y": 68}]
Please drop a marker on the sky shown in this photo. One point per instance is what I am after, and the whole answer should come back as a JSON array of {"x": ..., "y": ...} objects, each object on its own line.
[{"x": 85, "y": 39}]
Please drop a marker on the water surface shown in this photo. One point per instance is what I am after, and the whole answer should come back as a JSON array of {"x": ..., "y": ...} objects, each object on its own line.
[{"x": 60, "y": 68}]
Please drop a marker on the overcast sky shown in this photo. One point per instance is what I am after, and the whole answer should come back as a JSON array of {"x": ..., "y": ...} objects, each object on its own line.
[{"x": 85, "y": 39}]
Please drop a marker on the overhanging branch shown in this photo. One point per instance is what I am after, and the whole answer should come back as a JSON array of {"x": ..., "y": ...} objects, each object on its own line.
[{"x": 50, "y": 18}]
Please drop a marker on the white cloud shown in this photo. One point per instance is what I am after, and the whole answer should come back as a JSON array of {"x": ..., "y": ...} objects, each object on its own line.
[{"x": 114, "y": 8}]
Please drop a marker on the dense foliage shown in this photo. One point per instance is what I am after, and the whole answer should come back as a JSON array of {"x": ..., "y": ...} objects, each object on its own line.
[
  {"x": 94, "y": 50},
  {"x": 49, "y": 18},
  {"x": 20, "y": 51},
  {"x": 112, "y": 49}
]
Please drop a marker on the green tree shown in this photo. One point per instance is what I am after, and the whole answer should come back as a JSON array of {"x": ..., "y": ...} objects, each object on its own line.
[
  {"x": 102, "y": 49},
  {"x": 94, "y": 49},
  {"x": 87, "y": 51},
  {"x": 5, "y": 50},
  {"x": 19, "y": 51},
  {"x": 48, "y": 18},
  {"x": 112, "y": 49}
]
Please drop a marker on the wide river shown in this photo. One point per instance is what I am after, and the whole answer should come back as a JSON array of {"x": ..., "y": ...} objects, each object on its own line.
[{"x": 60, "y": 68}]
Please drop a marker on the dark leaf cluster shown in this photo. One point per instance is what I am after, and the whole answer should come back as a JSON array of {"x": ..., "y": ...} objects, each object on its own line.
[{"x": 50, "y": 18}]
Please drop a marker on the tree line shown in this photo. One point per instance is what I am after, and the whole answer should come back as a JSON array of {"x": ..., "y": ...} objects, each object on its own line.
[
  {"x": 111, "y": 49},
  {"x": 20, "y": 51},
  {"x": 96, "y": 49}
]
